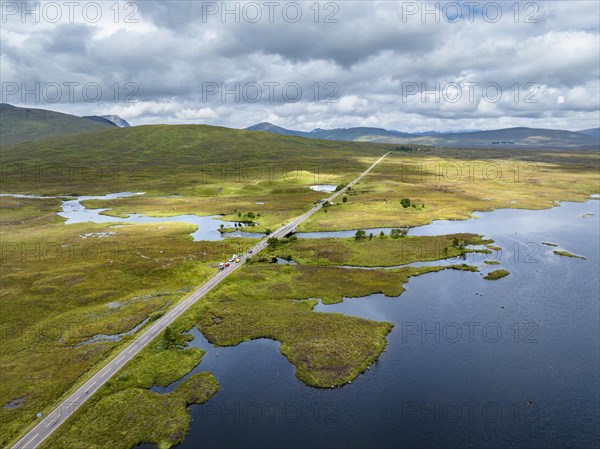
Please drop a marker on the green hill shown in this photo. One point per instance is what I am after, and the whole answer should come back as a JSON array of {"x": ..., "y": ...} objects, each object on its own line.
[
  {"x": 23, "y": 124},
  {"x": 172, "y": 158}
]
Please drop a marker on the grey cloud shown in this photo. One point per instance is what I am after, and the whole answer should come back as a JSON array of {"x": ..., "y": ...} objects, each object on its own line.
[
  {"x": 68, "y": 38},
  {"x": 368, "y": 54}
]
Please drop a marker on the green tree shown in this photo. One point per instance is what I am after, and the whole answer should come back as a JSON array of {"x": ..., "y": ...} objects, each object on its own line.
[
  {"x": 405, "y": 202},
  {"x": 382, "y": 235},
  {"x": 371, "y": 236},
  {"x": 398, "y": 233},
  {"x": 268, "y": 231},
  {"x": 360, "y": 234},
  {"x": 344, "y": 199},
  {"x": 460, "y": 244},
  {"x": 273, "y": 243}
]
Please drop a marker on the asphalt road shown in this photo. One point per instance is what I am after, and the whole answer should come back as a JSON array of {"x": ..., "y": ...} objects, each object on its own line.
[{"x": 59, "y": 415}]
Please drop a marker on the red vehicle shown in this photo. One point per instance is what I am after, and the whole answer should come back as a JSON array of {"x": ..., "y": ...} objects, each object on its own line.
[{"x": 226, "y": 265}]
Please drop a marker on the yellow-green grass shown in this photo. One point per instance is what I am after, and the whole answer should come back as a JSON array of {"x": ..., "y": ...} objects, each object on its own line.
[
  {"x": 497, "y": 274},
  {"x": 193, "y": 169},
  {"x": 377, "y": 252},
  {"x": 191, "y": 160},
  {"x": 50, "y": 305},
  {"x": 124, "y": 413},
  {"x": 219, "y": 170},
  {"x": 567, "y": 254},
  {"x": 328, "y": 349},
  {"x": 533, "y": 180},
  {"x": 59, "y": 290},
  {"x": 28, "y": 213},
  {"x": 266, "y": 301},
  {"x": 276, "y": 208}
]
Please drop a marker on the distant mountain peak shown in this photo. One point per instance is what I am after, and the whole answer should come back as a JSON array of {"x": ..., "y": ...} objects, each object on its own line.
[
  {"x": 269, "y": 127},
  {"x": 112, "y": 120},
  {"x": 119, "y": 121}
]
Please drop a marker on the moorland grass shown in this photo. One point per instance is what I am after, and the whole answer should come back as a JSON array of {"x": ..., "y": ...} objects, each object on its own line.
[
  {"x": 328, "y": 349},
  {"x": 49, "y": 304},
  {"x": 377, "y": 251},
  {"x": 59, "y": 290},
  {"x": 451, "y": 189},
  {"x": 125, "y": 413},
  {"x": 567, "y": 254},
  {"x": 495, "y": 275}
]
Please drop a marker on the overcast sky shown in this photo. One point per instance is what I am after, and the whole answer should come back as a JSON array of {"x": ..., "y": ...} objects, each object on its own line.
[{"x": 306, "y": 65}]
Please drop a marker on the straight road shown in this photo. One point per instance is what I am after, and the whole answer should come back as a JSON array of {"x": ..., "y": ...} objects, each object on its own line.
[{"x": 59, "y": 415}]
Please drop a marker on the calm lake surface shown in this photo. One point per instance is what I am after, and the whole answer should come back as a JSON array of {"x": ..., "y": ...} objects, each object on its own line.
[{"x": 511, "y": 363}]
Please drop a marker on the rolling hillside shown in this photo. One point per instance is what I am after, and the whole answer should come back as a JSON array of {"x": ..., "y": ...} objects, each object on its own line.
[{"x": 171, "y": 158}]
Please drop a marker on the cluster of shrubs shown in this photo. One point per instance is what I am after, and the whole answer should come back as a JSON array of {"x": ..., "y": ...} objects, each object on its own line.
[
  {"x": 395, "y": 234},
  {"x": 406, "y": 203},
  {"x": 247, "y": 217},
  {"x": 275, "y": 243}
]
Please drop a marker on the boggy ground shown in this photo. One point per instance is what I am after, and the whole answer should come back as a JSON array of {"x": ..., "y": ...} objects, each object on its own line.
[
  {"x": 452, "y": 184},
  {"x": 64, "y": 284},
  {"x": 327, "y": 349},
  {"x": 60, "y": 289}
]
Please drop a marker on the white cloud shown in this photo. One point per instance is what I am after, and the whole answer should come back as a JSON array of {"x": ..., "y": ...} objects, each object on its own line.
[
  {"x": 195, "y": 114},
  {"x": 170, "y": 53}
]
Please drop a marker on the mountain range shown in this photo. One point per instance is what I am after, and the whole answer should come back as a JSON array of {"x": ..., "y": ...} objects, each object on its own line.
[
  {"x": 19, "y": 124},
  {"x": 525, "y": 138}
]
